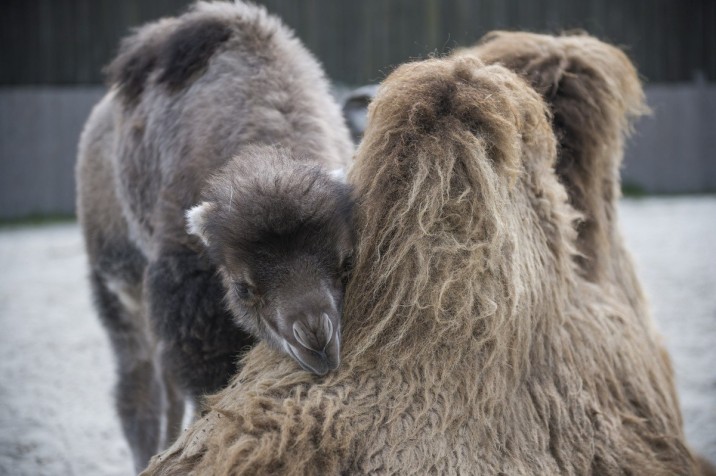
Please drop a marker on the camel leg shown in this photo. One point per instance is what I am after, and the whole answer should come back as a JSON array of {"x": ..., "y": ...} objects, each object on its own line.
[{"x": 138, "y": 394}]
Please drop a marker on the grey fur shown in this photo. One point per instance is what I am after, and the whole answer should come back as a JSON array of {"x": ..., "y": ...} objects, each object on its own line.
[
  {"x": 147, "y": 152},
  {"x": 280, "y": 232}
]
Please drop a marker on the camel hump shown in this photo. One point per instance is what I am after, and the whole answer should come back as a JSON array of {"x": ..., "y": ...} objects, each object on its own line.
[{"x": 177, "y": 49}]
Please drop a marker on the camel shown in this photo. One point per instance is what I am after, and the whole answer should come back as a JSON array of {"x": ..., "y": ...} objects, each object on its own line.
[
  {"x": 475, "y": 338},
  {"x": 216, "y": 119}
]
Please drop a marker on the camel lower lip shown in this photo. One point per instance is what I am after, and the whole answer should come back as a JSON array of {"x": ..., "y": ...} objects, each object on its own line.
[{"x": 303, "y": 365}]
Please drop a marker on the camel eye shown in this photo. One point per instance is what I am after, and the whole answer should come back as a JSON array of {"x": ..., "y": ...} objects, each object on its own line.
[
  {"x": 347, "y": 264},
  {"x": 244, "y": 291},
  {"x": 346, "y": 269}
]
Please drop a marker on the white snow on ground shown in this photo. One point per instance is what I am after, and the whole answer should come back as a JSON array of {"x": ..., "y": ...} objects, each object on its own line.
[
  {"x": 56, "y": 370},
  {"x": 673, "y": 241}
]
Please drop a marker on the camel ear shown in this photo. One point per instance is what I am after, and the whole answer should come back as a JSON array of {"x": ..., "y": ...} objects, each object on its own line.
[{"x": 196, "y": 220}]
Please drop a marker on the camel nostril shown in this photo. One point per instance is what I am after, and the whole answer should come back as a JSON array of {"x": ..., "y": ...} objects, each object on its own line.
[
  {"x": 316, "y": 335},
  {"x": 302, "y": 335}
]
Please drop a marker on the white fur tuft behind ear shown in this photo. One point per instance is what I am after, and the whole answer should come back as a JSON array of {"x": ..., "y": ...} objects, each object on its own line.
[
  {"x": 196, "y": 220},
  {"x": 338, "y": 174}
]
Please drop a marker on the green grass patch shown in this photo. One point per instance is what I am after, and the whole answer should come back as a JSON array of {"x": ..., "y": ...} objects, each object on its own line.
[
  {"x": 633, "y": 190},
  {"x": 37, "y": 220}
]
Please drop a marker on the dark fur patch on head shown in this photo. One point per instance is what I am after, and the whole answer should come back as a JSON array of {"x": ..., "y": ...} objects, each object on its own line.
[
  {"x": 180, "y": 53},
  {"x": 188, "y": 49},
  {"x": 427, "y": 116},
  {"x": 271, "y": 208}
]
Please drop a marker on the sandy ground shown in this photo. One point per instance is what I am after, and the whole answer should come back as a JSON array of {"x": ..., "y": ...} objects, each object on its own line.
[{"x": 56, "y": 371}]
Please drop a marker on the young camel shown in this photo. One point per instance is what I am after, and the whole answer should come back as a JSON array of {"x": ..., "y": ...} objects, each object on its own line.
[{"x": 221, "y": 114}]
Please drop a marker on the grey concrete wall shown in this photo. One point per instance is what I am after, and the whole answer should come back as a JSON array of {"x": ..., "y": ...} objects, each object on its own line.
[
  {"x": 39, "y": 128},
  {"x": 673, "y": 151}
]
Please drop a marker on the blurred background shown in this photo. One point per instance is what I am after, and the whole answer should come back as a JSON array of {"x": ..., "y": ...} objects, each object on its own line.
[
  {"x": 54, "y": 50},
  {"x": 56, "y": 377}
]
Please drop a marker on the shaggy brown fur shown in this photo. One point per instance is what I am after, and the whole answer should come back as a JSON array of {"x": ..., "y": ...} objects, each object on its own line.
[
  {"x": 473, "y": 344},
  {"x": 594, "y": 93}
]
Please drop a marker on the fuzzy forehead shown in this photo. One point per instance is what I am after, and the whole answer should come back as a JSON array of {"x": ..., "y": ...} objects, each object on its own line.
[{"x": 266, "y": 200}]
